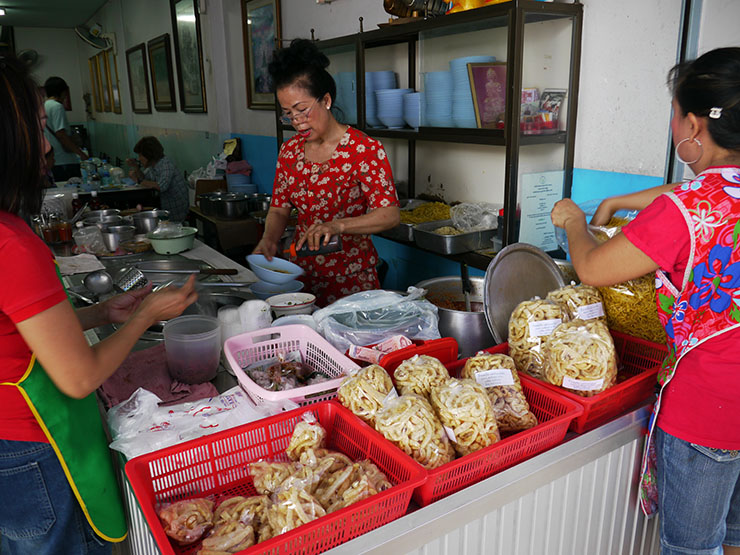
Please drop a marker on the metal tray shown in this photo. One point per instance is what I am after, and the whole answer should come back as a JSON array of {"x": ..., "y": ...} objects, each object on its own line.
[
  {"x": 402, "y": 232},
  {"x": 425, "y": 238}
]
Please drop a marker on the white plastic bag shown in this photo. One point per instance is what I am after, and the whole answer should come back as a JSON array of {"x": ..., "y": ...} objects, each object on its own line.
[
  {"x": 371, "y": 316},
  {"x": 474, "y": 216}
]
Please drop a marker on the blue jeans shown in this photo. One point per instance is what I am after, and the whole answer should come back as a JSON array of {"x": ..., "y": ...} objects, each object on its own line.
[
  {"x": 39, "y": 513},
  {"x": 699, "y": 497}
]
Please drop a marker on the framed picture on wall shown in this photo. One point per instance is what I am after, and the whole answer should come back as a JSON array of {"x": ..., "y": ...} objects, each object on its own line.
[
  {"x": 488, "y": 85},
  {"x": 115, "y": 91},
  {"x": 105, "y": 81},
  {"x": 92, "y": 63},
  {"x": 188, "y": 55},
  {"x": 160, "y": 68},
  {"x": 261, "y": 29},
  {"x": 138, "y": 80}
]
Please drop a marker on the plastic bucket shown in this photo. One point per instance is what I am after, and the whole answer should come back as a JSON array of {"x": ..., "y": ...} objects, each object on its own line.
[{"x": 193, "y": 346}]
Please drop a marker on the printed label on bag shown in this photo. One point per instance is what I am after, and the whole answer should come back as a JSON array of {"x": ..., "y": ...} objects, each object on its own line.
[
  {"x": 543, "y": 327},
  {"x": 493, "y": 378},
  {"x": 583, "y": 385},
  {"x": 590, "y": 311},
  {"x": 450, "y": 434}
]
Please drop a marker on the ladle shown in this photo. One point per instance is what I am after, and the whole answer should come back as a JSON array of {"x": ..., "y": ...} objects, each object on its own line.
[{"x": 98, "y": 282}]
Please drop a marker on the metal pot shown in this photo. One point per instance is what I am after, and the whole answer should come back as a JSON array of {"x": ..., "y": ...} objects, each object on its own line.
[
  {"x": 104, "y": 221},
  {"x": 148, "y": 220},
  {"x": 207, "y": 202},
  {"x": 99, "y": 214},
  {"x": 124, "y": 232},
  {"x": 231, "y": 206},
  {"x": 469, "y": 329},
  {"x": 258, "y": 202}
]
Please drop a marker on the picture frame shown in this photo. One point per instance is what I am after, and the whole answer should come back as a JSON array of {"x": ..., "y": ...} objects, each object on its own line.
[
  {"x": 105, "y": 81},
  {"x": 186, "y": 36},
  {"x": 138, "y": 79},
  {"x": 115, "y": 86},
  {"x": 262, "y": 34},
  {"x": 160, "y": 69},
  {"x": 488, "y": 86},
  {"x": 92, "y": 63}
]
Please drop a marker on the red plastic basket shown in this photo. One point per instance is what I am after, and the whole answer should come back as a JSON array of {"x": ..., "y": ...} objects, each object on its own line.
[
  {"x": 216, "y": 466},
  {"x": 639, "y": 362},
  {"x": 554, "y": 414},
  {"x": 445, "y": 349}
]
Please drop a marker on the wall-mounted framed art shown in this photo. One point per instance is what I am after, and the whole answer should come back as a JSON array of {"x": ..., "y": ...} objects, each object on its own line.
[
  {"x": 160, "y": 68},
  {"x": 105, "y": 81},
  {"x": 261, "y": 30},
  {"x": 138, "y": 80},
  {"x": 92, "y": 64},
  {"x": 188, "y": 55}
]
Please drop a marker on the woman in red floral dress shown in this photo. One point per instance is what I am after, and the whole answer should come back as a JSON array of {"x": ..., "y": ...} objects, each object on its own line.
[{"x": 338, "y": 179}]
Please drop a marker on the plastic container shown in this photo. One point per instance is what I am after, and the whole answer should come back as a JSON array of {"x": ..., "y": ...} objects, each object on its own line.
[
  {"x": 554, "y": 414},
  {"x": 89, "y": 239},
  {"x": 639, "y": 362},
  {"x": 173, "y": 245},
  {"x": 215, "y": 466},
  {"x": 193, "y": 346},
  {"x": 277, "y": 270},
  {"x": 105, "y": 178},
  {"x": 247, "y": 348}
]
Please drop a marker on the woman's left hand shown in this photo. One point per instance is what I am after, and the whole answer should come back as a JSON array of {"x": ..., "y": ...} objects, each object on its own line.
[
  {"x": 319, "y": 234},
  {"x": 566, "y": 211},
  {"x": 119, "y": 309}
]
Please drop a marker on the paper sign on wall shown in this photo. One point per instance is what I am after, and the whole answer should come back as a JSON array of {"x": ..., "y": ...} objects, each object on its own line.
[{"x": 539, "y": 192}]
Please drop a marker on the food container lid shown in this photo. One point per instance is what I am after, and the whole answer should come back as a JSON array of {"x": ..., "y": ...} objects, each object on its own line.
[{"x": 517, "y": 273}]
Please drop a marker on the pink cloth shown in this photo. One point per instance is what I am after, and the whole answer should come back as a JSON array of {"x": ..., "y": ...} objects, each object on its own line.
[
  {"x": 148, "y": 369},
  {"x": 240, "y": 166}
]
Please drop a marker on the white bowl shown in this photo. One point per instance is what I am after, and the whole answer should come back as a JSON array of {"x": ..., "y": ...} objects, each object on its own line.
[
  {"x": 292, "y": 303},
  {"x": 305, "y": 319},
  {"x": 264, "y": 289},
  {"x": 277, "y": 270}
]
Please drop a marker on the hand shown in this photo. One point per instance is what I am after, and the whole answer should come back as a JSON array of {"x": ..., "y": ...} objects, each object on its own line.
[
  {"x": 319, "y": 234},
  {"x": 565, "y": 212},
  {"x": 603, "y": 213},
  {"x": 118, "y": 309},
  {"x": 266, "y": 247},
  {"x": 169, "y": 302},
  {"x": 132, "y": 162}
]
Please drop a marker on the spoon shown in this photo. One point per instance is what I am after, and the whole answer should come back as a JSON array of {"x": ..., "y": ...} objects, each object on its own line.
[{"x": 98, "y": 282}]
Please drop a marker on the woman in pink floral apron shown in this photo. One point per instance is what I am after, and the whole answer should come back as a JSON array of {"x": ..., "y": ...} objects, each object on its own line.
[
  {"x": 338, "y": 179},
  {"x": 689, "y": 234}
]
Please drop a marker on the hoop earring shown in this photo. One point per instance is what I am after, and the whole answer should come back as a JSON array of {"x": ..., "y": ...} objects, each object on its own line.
[{"x": 682, "y": 141}]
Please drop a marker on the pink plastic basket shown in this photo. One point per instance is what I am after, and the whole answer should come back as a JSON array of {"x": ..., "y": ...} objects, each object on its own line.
[{"x": 247, "y": 348}]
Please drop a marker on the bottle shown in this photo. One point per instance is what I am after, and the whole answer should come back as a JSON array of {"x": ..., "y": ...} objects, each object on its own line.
[
  {"x": 105, "y": 178},
  {"x": 94, "y": 202},
  {"x": 334, "y": 245},
  {"x": 76, "y": 203}
]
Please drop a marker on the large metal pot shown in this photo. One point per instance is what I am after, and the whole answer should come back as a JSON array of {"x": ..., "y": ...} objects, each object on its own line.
[
  {"x": 104, "y": 221},
  {"x": 208, "y": 202},
  {"x": 258, "y": 202},
  {"x": 231, "y": 206},
  {"x": 469, "y": 329},
  {"x": 148, "y": 220}
]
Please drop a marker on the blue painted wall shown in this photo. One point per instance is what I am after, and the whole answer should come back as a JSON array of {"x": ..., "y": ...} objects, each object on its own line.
[
  {"x": 595, "y": 184},
  {"x": 261, "y": 152}
]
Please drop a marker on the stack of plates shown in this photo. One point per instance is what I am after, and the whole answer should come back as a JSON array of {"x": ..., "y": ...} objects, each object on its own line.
[
  {"x": 375, "y": 80},
  {"x": 390, "y": 106},
  {"x": 346, "y": 96},
  {"x": 413, "y": 104},
  {"x": 438, "y": 98},
  {"x": 463, "y": 112}
]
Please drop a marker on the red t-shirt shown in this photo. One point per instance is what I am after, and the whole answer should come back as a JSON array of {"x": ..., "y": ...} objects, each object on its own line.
[
  {"x": 700, "y": 404},
  {"x": 28, "y": 285}
]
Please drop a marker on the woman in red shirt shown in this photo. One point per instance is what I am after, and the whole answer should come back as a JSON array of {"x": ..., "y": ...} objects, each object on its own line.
[
  {"x": 58, "y": 489},
  {"x": 338, "y": 179}
]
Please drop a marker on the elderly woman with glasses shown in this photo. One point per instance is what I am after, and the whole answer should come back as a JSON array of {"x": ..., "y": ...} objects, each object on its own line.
[{"x": 338, "y": 179}]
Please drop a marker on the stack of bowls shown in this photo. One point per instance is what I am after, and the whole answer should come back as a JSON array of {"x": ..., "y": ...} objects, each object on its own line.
[
  {"x": 413, "y": 104},
  {"x": 390, "y": 106},
  {"x": 375, "y": 80},
  {"x": 463, "y": 112},
  {"x": 346, "y": 96},
  {"x": 275, "y": 276},
  {"x": 438, "y": 98}
]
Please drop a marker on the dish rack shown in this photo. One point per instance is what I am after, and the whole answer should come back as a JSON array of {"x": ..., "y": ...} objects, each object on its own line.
[{"x": 316, "y": 352}]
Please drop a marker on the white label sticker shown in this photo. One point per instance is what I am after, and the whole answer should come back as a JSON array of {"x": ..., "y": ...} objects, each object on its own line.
[
  {"x": 450, "y": 434},
  {"x": 590, "y": 311},
  {"x": 582, "y": 385},
  {"x": 492, "y": 378},
  {"x": 543, "y": 327}
]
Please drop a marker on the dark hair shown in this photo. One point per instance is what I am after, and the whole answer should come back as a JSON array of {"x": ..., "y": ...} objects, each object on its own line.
[
  {"x": 21, "y": 140},
  {"x": 304, "y": 65},
  {"x": 150, "y": 148},
  {"x": 711, "y": 81},
  {"x": 55, "y": 86}
]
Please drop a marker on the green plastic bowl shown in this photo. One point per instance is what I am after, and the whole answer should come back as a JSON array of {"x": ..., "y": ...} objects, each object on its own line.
[{"x": 173, "y": 245}]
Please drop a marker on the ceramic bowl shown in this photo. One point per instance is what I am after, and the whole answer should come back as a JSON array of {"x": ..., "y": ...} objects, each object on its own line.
[
  {"x": 264, "y": 289},
  {"x": 173, "y": 245},
  {"x": 277, "y": 270},
  {"x": 292, "y": 303}
]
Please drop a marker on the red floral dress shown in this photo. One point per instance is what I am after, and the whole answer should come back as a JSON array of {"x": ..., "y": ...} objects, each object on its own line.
[{"x": 354, "y": 181}]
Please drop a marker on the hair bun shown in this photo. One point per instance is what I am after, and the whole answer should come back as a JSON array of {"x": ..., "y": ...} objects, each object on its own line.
[{"x": 300, "y": 55}]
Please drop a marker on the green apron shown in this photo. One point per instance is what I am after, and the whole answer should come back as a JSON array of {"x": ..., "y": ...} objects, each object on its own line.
[{"x": 75, "y": 432}]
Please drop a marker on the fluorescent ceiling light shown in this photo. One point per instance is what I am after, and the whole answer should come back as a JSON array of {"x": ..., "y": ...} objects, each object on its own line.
[{"x": 2, "y": 11}]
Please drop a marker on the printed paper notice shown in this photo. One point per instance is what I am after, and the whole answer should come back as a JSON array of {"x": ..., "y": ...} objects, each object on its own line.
[{"x": 539, "y": 192}]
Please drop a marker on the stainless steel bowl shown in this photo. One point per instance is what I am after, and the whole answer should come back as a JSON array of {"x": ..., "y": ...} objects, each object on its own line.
[
  {"x": 104, "y": 221},
  {"x": 469, "y": 329},
  {"x": 232, "y": 206},
  {"x": 98, "y": 214},
  {"x": 148, "y": 220}
]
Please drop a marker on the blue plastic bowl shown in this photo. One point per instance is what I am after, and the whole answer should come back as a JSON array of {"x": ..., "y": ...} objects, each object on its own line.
[
  {"x": 277, "y": 270},
  {"x": 265, "y": 289}
]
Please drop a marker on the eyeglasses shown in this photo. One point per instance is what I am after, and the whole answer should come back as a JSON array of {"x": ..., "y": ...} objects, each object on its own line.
[{"x": 299, "y": 116}]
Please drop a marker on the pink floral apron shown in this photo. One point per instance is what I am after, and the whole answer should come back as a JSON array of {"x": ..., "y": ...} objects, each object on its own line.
[{"x": 709, "y": 301}]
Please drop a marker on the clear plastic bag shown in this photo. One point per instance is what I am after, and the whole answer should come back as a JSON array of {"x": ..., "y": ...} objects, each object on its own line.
[
  {"x": 308, "y": 434},
  {"x": 580, "y": 357},
  {"x": 167, "y": 230},
  {"x": 370, "y": 317},
  {"x": 474, "y": 216},
  {"x": 188, "y": 520},
  {"x": 602, "y": 233},
  {"x": 419, "y": 374},
  {"x": 364, "y": 391},
  {"x": 580, "y": 301},
  {"x": 529, "y": 325}
]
